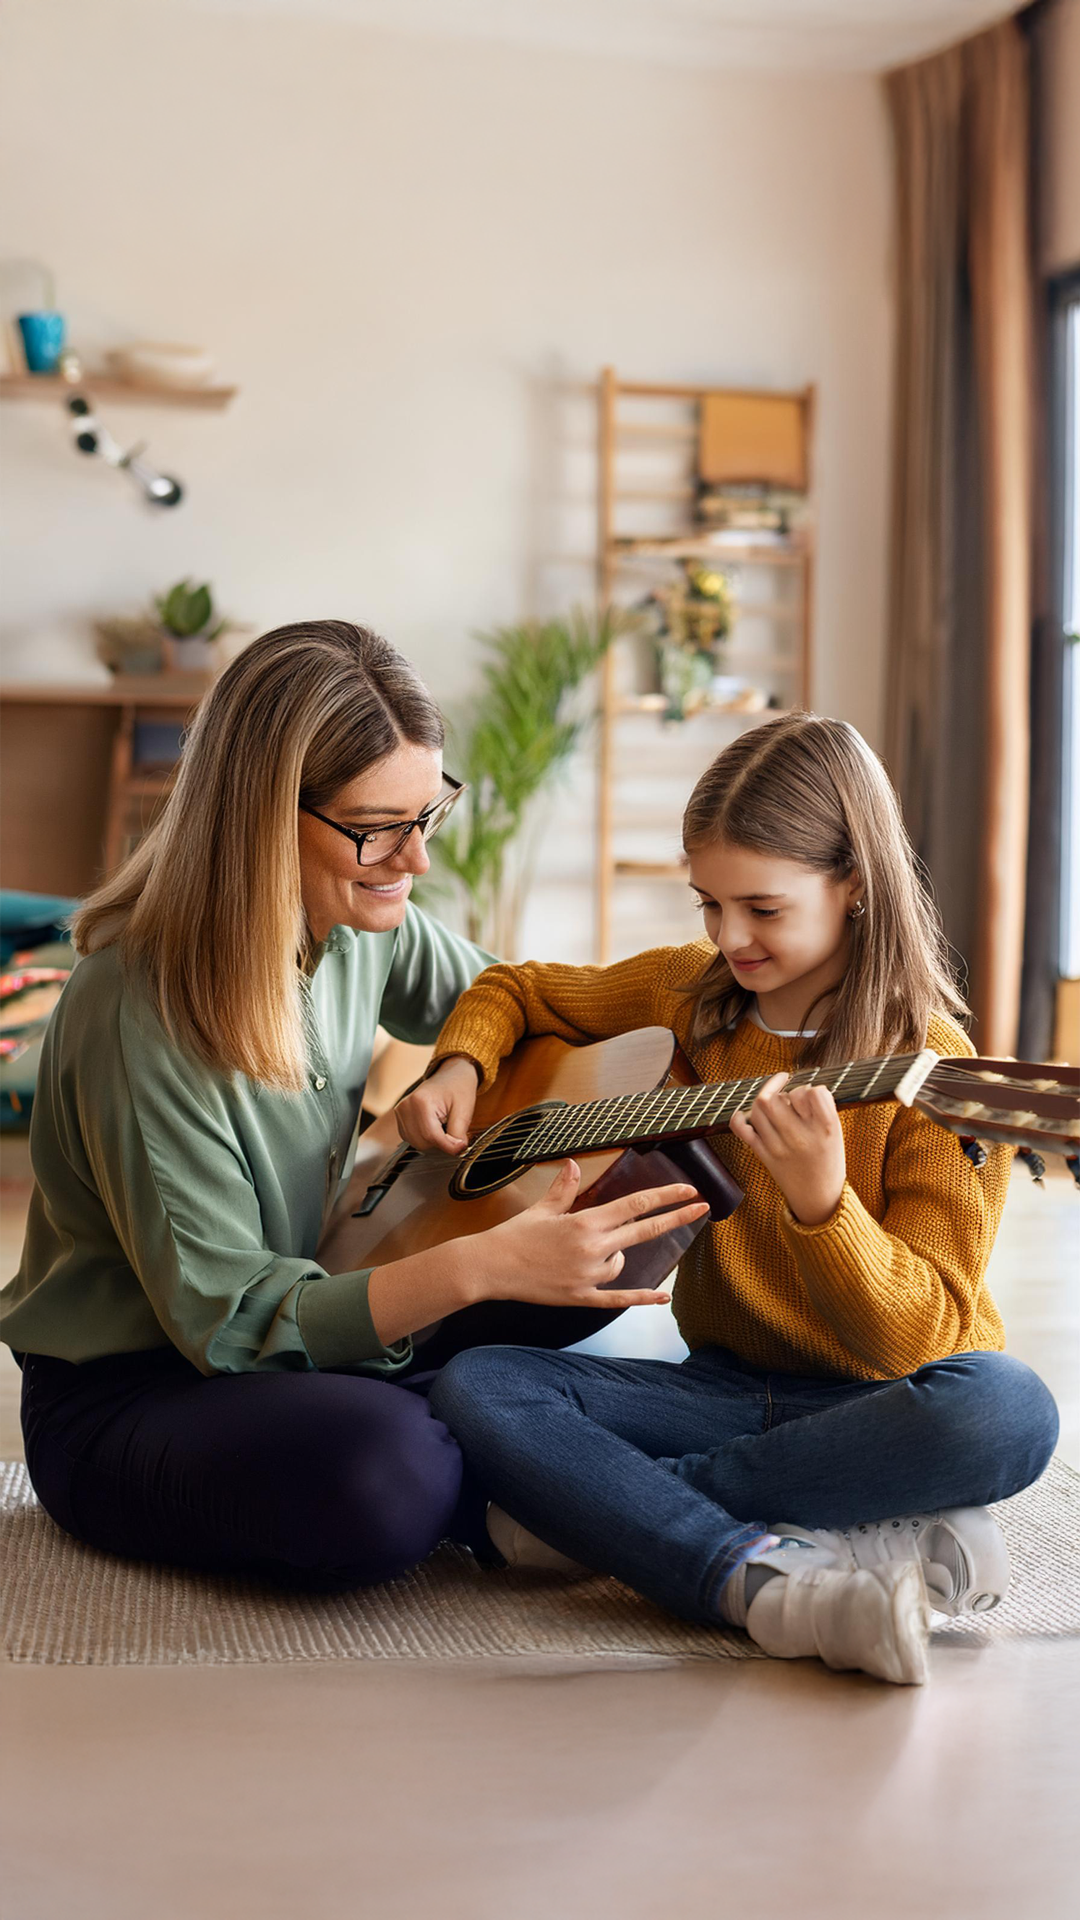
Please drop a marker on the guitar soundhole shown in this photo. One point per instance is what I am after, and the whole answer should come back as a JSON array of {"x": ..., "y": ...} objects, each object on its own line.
[{"x": 496, "y": 1157}]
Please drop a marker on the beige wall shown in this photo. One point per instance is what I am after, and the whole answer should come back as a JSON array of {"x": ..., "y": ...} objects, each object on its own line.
[
  {"x": 1059, "y": 136},
  {"x": 402, "y": 249}
]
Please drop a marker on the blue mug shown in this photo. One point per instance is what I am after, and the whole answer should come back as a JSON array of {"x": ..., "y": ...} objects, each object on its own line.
[{"x": 43, "y": 340}]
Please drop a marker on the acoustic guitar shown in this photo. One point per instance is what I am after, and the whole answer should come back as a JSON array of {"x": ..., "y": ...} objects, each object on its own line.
[{"x": 633, "y": 1113}]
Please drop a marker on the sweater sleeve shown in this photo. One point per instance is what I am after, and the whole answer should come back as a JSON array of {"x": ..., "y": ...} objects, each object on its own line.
[
  {"x": 173, "y": 1179},
  {"x": 577, "y": 1004},
  {"x": 904, "y": 1290}
]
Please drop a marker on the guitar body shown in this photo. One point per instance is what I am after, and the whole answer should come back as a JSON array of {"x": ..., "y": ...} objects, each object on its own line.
[{"x": 398, "y": 1202}]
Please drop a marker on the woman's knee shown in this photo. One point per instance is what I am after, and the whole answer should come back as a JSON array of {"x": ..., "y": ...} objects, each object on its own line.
[
  {"x": 993, "y": 1408},
  {"x": 384, "y": 1501}
]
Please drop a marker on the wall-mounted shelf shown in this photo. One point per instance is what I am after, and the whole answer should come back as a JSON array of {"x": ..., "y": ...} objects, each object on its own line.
[{"x": 106, "y": 387}]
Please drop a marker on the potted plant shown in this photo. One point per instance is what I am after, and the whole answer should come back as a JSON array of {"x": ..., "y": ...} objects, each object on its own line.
[
  {"x": 522, "y": 729},
  {"x": 180, "y": 632},
  {"x": 187, "y": 617},
  {"x": 690, "y": 618}
]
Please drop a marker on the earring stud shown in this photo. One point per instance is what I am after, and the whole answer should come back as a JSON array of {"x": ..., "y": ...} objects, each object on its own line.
[{"x": 857, "y": 911}]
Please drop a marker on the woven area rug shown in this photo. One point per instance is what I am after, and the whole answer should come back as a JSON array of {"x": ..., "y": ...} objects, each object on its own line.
[{"x": 68, "y": 1605}]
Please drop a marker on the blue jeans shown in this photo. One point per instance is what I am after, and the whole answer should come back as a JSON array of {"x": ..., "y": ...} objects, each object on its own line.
[{"x": 668, "y": 1475}]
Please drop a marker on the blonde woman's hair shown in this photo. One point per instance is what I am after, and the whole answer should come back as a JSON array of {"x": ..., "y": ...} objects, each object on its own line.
[
  {"x": 810, "y": 790},
  {"x": 208, "y": 906}
]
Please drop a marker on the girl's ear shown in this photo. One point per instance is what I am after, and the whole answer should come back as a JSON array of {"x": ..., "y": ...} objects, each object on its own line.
[{"x": 853, "y": 887}]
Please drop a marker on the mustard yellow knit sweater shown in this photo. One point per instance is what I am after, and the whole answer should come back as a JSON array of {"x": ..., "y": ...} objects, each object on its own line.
[{"x": 893, "y": 1279}]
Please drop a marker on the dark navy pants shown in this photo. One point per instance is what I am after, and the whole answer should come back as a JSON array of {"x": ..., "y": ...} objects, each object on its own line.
[{"x": 326, "y": 1479}]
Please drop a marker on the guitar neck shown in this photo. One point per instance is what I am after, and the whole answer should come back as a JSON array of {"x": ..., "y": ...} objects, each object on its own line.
[{"x": 689, "y": 1113}]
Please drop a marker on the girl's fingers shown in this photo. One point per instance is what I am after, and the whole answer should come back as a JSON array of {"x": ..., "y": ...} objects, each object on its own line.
[
  {"x": 760, "y": 1127},
  {"x": 802, "y": 1101},
  {"x": 637, "y": 1231}
]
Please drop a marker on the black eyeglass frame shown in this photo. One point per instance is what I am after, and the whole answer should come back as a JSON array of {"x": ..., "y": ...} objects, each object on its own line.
[{"x": 443, "y": 807}]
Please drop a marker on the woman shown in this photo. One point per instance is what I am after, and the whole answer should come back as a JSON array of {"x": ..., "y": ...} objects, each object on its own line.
[{"x": 196, "y": 1388}]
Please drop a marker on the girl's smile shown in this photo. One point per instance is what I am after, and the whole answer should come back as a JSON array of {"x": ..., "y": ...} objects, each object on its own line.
[{"x": 782, "y": 927}]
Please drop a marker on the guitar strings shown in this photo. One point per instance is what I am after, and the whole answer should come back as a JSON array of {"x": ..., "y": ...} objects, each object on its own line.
[
  {"x": 574, "y": 1127},
  {"x": 665, "y": 1103}
]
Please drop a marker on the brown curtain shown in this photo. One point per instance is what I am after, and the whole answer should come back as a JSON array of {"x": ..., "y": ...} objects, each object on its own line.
[{"x": 960, "y": 603}]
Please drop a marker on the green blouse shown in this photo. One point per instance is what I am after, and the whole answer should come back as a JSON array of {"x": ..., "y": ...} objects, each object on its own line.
[{"x": 173, "y": 1203}]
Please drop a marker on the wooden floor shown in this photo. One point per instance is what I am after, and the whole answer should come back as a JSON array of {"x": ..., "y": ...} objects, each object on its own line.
[{"x": 512, "y": 1791}]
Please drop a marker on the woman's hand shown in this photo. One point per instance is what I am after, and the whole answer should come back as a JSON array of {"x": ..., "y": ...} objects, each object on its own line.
[
  {"x": 545, "y": 1254},
  {"x": 437, "y": 1112},
  {"x": 557, "y": 1258},
  {"x": 796, "y": 1136}
]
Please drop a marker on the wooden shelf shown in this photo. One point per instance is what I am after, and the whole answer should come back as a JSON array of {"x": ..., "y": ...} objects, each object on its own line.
[
  {"x": 105, "y": 386},
  {"x": 765, "y": 553},
  {"x": 182, "y": 690},
  {"x": 655, "y": 703},
  {"x": 631, "y": 564}
]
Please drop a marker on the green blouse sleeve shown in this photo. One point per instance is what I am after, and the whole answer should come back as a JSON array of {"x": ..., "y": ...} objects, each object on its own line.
[
  {"x": 166, "y": 1159},
  {"x": 430, "y": 970}
]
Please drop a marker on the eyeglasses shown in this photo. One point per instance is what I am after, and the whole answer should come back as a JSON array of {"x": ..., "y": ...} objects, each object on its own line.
[{"x": 377, "y": 844}]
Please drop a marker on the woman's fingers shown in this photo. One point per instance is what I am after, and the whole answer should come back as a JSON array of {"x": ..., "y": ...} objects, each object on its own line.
[
  {"x": 638, "y": 1231},
  {"x": 618, "y": 1298},
  {"x": 633, "y": 1206},
  {"x": 562, "y": 1192}
]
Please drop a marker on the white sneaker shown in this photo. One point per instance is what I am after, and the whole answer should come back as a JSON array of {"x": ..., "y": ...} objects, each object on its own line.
[
  {"x": 520, "y": 1548},
  {"x": 962, "y": 1552},
  {"x": 875, "y": 1619}
]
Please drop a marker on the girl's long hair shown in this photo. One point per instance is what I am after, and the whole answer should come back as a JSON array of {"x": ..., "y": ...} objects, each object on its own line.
[
  {"x": 808, "y": 789},
  {"x": 208, "y": 906}
]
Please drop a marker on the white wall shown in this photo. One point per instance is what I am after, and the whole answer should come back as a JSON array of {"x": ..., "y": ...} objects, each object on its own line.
[
  {"x": 398, "y": 247},
  {"x": 1059, "y": 136},
  {"x": 412, "y": 255}
]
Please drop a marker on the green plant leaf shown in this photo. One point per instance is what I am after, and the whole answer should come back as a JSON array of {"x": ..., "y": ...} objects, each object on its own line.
[
  {"x": 522, "y": 729},
  {"x": 185, "y": 610}
]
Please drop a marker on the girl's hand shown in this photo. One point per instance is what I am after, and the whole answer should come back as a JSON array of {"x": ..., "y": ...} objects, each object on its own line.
[
  {"x": 797, "y": 1136},
  {"x": 437, "y": 1113},
  {"x": 557, "y": 1258}
]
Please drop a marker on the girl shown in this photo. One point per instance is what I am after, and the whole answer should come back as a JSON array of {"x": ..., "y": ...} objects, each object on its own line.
[
  {"x": 196, "y": 1387},
  {"x": 821, "y": 1462}
]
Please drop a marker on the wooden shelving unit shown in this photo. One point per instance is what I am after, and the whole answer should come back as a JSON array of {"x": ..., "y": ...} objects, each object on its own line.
[
  {"x": 649, "y": 439},
  {"x": 106, "y": 387},
  {"x": 62, "y": 835}
]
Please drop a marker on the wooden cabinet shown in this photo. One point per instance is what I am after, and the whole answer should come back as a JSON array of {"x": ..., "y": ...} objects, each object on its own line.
[{"x": 82, "y": 770}]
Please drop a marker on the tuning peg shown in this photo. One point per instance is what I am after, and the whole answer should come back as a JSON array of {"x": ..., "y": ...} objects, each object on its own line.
[
  {"x": 974, "y": 1149},
  {"x": 1072, "y": 1161},
  {"x": 1036, "y": 1165}
]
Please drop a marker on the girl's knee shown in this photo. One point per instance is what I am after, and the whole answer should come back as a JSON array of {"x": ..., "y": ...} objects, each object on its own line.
[
  {"x": 993, "y": 1404},
  {"x": 472, "y": 1379}
]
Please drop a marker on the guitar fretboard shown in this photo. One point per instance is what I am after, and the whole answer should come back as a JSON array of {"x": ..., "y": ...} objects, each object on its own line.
[{"x": 688, "y": 1112}]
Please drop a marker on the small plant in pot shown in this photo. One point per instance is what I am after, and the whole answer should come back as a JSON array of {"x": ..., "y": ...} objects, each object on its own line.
[
  {"x": 187, "y": 618},
  {"x": 178, "y": 632}
]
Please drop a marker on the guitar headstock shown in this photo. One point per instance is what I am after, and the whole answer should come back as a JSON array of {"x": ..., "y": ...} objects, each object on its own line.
[{"x": 1017, "y": 1101}]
